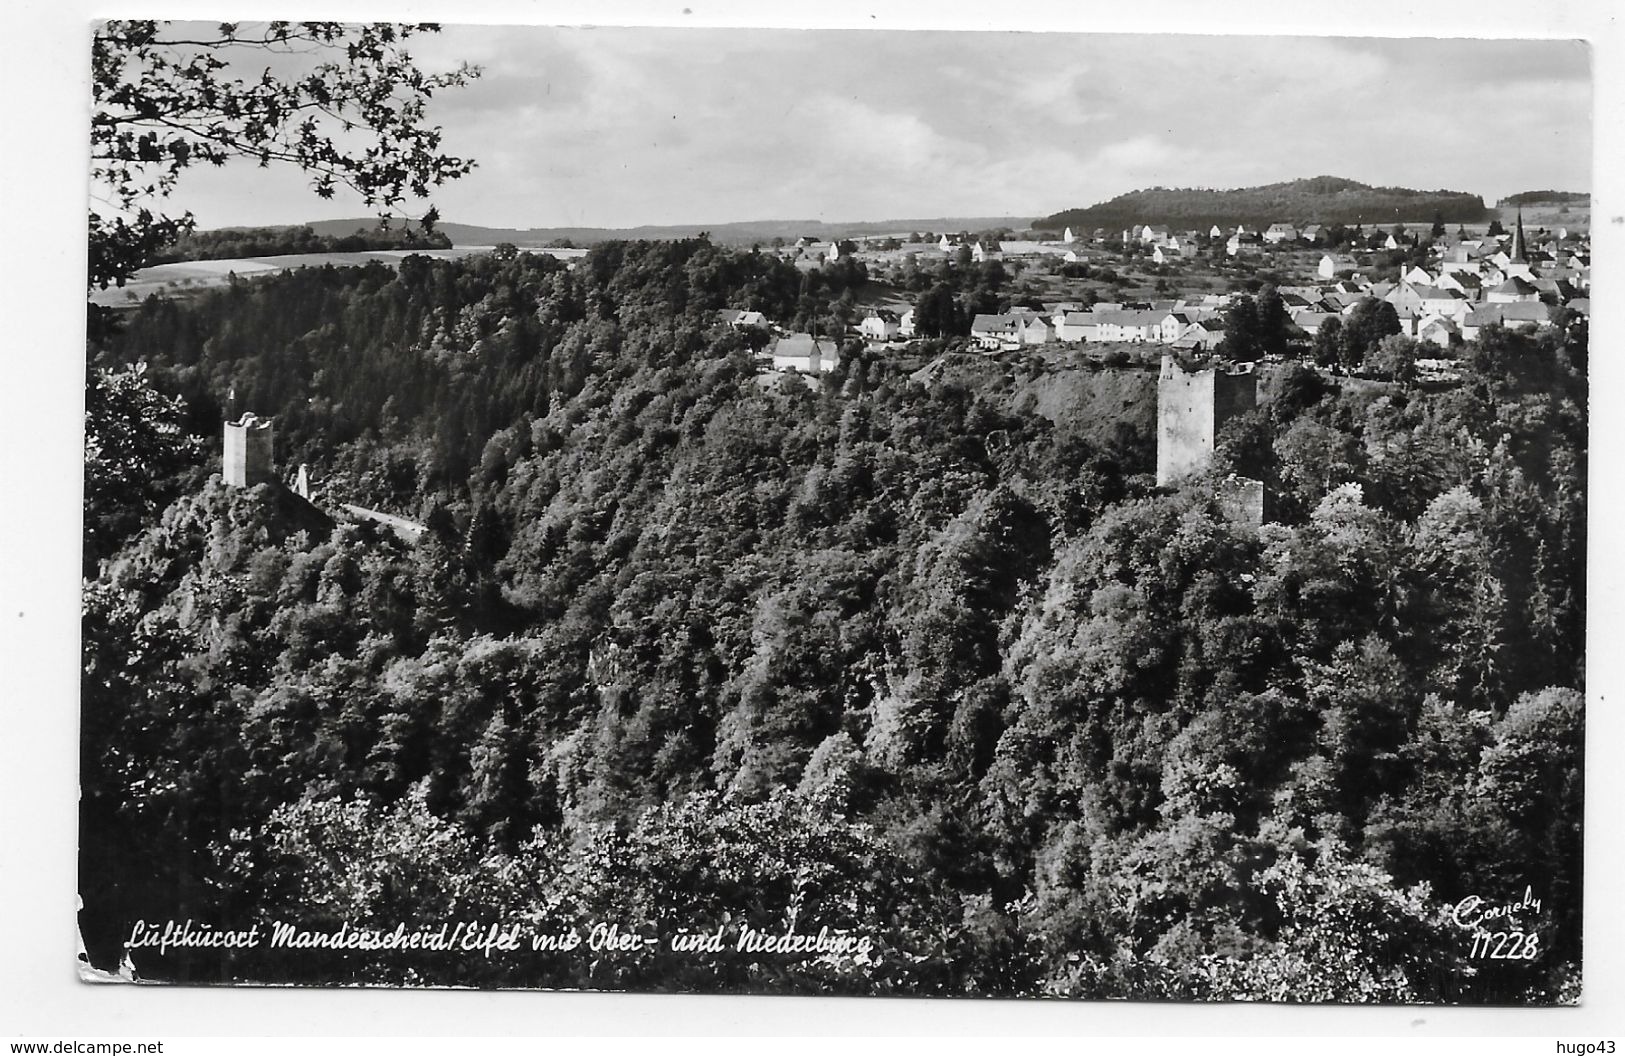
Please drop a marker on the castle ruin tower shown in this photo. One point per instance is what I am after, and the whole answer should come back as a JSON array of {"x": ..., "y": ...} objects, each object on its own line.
[
  {"x": 1193, "y": 403},
  {"x": 246, "y": 458}
]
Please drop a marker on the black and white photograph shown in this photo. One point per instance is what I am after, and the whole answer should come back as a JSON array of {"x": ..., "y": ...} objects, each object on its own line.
[{"x": 860, "y": 512}]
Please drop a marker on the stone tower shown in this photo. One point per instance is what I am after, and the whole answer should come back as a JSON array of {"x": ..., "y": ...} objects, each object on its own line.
[
  {"x": 246, "y": 460},
  {"x": 1192, "y": 405}
]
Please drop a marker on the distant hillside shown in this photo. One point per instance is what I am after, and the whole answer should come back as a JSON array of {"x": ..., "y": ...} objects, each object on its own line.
[
  {"x": 1322, "y": 199},
  {"x": 1545, "y": 198},
  {"x": 743, "y": 233}
]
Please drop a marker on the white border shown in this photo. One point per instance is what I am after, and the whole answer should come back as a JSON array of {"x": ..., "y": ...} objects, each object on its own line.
[{"x": 43, "y": 179}]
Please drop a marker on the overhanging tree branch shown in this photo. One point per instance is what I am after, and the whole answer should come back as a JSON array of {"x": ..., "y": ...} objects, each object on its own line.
[{"x": 163, "y": 104}]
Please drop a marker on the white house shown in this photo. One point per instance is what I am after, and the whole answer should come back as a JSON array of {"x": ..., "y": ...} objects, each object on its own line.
[
  {"x": 1203, "y": 334},
  {"x": 996, "y": 331},
  {"x": 880, "y": 325},
  {"x": 1177, "y": 322},
  {"x": 1036, "y": 331},
  {"x": 1277, "y": 233},
  {"x": 1438, "y": 331},
  {"x": 1076, "y": 326},
  {"x": 905, "y": 324},
  {"x": 1331, "y": 264},
  {"x": 1136, "y": 325},
  {"x": 1445, "y": 303},
  {"x": 1424, "y": 301},
  {"x": 803, "y": 353}
]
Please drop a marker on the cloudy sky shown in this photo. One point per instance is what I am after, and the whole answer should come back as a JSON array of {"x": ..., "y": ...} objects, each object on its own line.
[{"x": 617, "y": 127}]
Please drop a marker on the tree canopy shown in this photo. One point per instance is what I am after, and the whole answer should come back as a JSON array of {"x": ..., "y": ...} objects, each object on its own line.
[{"x": 897, "y": 655}]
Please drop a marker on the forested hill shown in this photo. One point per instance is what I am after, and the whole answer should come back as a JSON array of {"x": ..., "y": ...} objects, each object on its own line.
[
  {"x": 1321, "y": 199},
  {"x": 908, "y": 661},
  {"x": 1546, "y": 198}
]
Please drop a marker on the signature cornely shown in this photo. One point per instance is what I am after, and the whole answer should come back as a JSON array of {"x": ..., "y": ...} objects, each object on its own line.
[{"x": 1475, "y": 912}]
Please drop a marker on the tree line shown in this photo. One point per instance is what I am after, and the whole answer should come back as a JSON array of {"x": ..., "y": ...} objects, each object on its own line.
[
  {"x": 229, "y": 243},
  {"x": 1323, "y": 199}
]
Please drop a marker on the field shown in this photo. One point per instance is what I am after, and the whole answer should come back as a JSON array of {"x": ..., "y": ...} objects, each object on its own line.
[{"x": 1551, "y": 215}]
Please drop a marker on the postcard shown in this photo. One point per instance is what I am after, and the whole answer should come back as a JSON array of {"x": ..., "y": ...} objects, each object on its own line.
[{"x": 840, "y": 512}]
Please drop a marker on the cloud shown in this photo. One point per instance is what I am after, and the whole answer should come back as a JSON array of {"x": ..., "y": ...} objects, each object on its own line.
[{"x": 618, "y": 127}]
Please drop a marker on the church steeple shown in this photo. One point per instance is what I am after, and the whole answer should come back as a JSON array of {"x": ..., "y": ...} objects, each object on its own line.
[{"x": 1517, "y": 253}]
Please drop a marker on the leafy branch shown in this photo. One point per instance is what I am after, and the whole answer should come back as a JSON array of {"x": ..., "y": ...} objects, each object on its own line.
[{"x": 164, "y": 103}]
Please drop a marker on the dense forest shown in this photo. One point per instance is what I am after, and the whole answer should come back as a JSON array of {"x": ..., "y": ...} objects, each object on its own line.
[
  {"x": 229, "y": 243},
  {"x": 1320, "y": 199},
  {"x": 897, "y": 659},
  {"x": 1545, "y": 198}
]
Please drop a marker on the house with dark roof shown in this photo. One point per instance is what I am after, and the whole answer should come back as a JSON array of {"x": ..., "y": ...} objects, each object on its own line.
[
  {"x": 882, "y": 324},
  {"x": 742, "y": 320},
  {"x": 1422, "y": 301},
  {"x": 1035, "y": 330},
  {"x": 1179, "y": 320},
  {"x": 1012, "y": 329},
  {"x": 1470, "y": 285},
  {"x": 1201, "y": 334},
  {"x": 995, "y": 331},
  {"x": 1511, "y": 291},
  {"x": 1309, "y": 321}
]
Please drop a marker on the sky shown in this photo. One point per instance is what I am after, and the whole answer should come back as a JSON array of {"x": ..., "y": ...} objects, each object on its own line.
[{"x": 616, "y": 127}]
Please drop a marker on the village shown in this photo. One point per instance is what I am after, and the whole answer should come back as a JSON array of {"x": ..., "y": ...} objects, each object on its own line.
[{"x": 1112, "y": 292}]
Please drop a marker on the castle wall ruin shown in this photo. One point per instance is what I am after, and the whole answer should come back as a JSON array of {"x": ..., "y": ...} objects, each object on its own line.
[{"x": 1192, "y": 406}]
